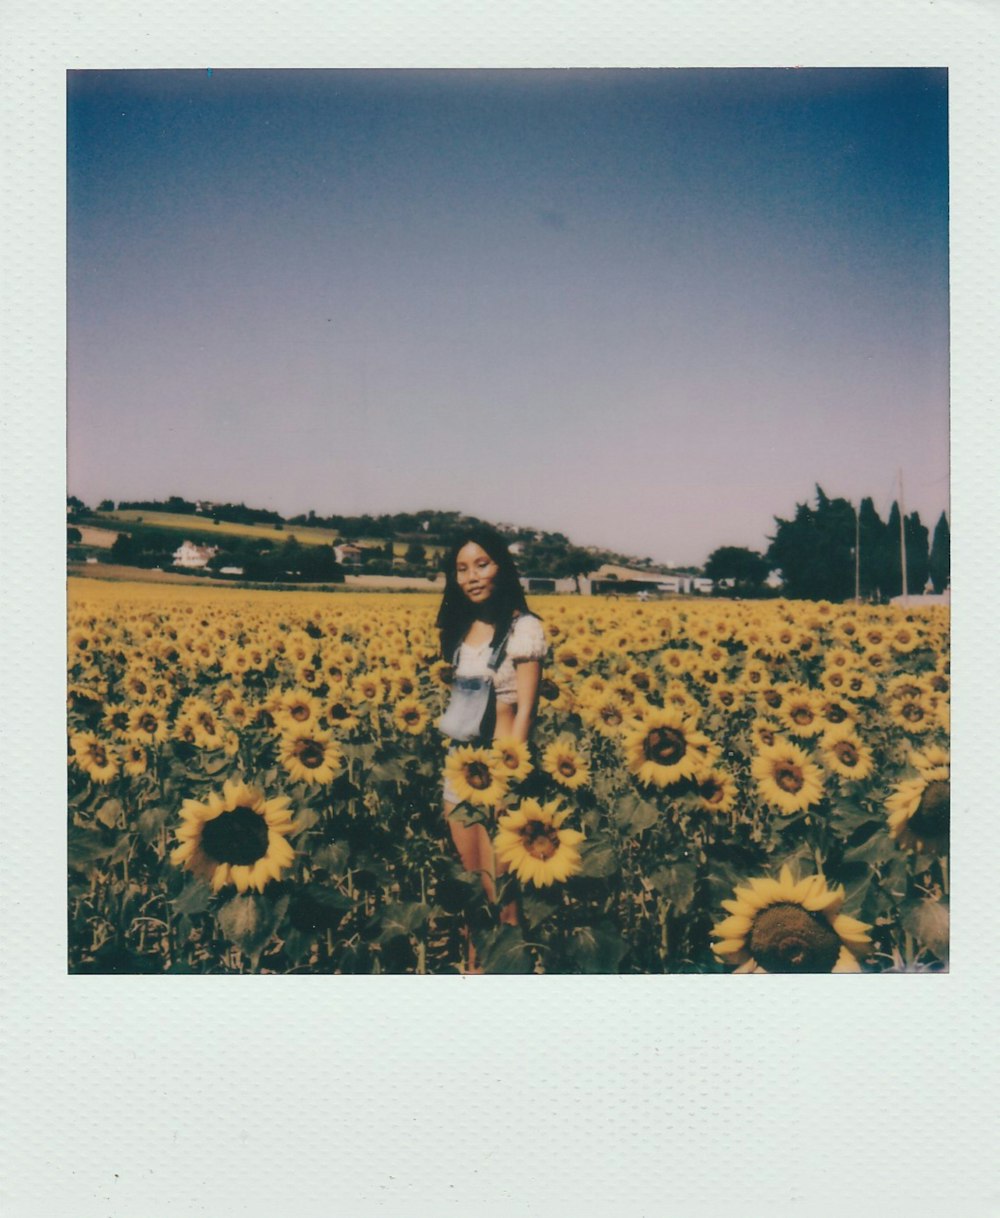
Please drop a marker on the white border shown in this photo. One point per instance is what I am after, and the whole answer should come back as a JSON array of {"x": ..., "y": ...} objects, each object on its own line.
[{"x": 390, "y": 1096}]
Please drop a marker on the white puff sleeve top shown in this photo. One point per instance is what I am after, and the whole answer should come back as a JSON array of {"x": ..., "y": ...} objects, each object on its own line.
[{"x": 526, "y": 642}]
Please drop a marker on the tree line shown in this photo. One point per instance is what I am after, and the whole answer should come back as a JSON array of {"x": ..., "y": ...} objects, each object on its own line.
[{"x": 829, "y": 551}]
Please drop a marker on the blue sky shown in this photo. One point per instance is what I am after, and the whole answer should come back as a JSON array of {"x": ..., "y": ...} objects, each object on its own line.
[{"x": 649, "y": 309}]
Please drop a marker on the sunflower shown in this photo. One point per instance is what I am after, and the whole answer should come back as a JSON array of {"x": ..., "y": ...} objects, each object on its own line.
[
  {"x": 338, "y": 710},
  {"x": 476, "y": 776},
  {"x": 728, "y": 698},
  {"x": 605, "y": 713},
  {"x": 716, "y": 790},
  {"x": 554, "y": 692},
  {"x": 115, "y": 719},
  {"x": 857, "y": 685},
  {"x": 914, "y": 715},
  {"x": 786, "y": 778},
  {"x": 513, "y": 758},
  {"x": 310, "y": 755},
  {"x": 845, "y": 754},
  {"x": 784, "y": 926},
  {"x": 920, "y": 808},
  {"x": 765, "y": 732},
  {"x": 562, "y": 761},
  {"x": 532, "y": 841},
  {"x": 299, "y": 709},
  {"x": 237, "y": 837},
  {"x": 411, "y": 716},
  {"x": 135, "y": 760},
  {"x": 94, "y": 756},
  {"x": 799, "y": 713},
  {"x": 665, "y": 748},
  {"x": 932, "y": 757},
  {"x": 148, "y": 724}
]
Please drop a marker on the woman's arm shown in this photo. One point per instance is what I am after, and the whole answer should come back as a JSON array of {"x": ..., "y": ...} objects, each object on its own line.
[{"x": 528, "y": 675}]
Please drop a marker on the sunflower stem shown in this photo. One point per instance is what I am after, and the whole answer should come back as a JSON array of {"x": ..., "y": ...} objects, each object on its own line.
[{"x": 944, "y": 874}]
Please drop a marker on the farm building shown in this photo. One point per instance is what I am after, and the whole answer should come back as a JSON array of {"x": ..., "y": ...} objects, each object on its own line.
[
  {"x": 348, "y": 554},
  {"x": 189, "y": 554}
]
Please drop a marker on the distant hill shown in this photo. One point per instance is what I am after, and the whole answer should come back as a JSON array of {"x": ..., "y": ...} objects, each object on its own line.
[{"x": 413, "y": 539}]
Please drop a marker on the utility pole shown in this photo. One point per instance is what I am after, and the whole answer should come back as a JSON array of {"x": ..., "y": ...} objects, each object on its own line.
[{"x": 902, "y": 535}]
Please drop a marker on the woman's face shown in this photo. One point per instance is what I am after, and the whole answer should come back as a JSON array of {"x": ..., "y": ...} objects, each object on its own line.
[{"x": 476, "y": 573}]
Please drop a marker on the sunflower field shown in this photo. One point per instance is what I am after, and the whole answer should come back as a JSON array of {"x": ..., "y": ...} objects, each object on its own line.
[{"x": 254, "y": 785}]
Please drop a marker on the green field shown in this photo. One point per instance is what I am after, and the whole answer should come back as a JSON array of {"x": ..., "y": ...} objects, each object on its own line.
[{"x": 203, "y": 524}]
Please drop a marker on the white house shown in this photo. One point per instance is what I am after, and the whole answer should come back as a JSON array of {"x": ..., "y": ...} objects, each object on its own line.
[
  {"x": 348, "y": 554},
  {"x": 191, "y": 555}
]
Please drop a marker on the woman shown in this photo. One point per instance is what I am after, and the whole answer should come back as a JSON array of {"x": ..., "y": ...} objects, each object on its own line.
[{"x": 483, "y": 607}]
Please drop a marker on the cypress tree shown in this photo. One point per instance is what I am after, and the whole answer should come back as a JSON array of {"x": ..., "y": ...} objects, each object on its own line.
[
  {"x": 940, "y": 556},
  {"x": 892, "y": 578},
  {"x": 872, "y": 531},
  {"x": 917, "y": 554}
]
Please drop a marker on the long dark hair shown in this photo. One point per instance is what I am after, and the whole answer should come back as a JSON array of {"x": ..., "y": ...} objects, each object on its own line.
[{"x": 457, "y": 612}]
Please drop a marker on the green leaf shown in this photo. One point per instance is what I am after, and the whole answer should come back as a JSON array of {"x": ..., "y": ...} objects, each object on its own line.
[
  {"x": 873, "y": 845},
  {"x": 504, "y": 951},
  {"x": 249, "y": 920},
  {"x": 677, "y": 883},
  {"x": 599, "y": 858},
  {"x": 388, "y": 771},
  {"x": 404, "y": 918},
  {"x": 597, "y": 949},
  {"x": 537, "y": 908},
  {"x": 85, "y": 846},
  {"x": 304, "y": 819},
  {"x": 194, "y": 898},
  {"x": 109, "y": 812},
  {"x": 333, "y": 858},
  {"x": 151, "y": 821},
  {"x": 633, "y": 814},
  {"x": 929, "y": 923}
]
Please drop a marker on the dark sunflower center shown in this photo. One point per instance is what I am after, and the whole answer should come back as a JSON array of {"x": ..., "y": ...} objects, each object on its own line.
[
  {"x": 540, "y": 841},
  {"x": 338, "y": 711},
  {"x": 932, "y": 814},
  {"x": 772, "y": 697},
  {"x": 309, "y": 675},
  {"x": 611, "y": 715},
  {"x": 411, "y": 716},
  {"x": 566, "y": 767},
  {"x": 835, "y": 714},
  {"x": 640, "y": 680},
  {"x": 207, "y": 722},
  {"x": 802, "y": 714},
  {"x": 119, "y": 721},
  {"x": 836, "y": 679},
  {"x": 148, "y": 723},
  {"x": 510, "y": 760},
  {"x": 789, "y": 777},
  {"x": 912, "y": 712},
  {"x": 846, "y": 753},
  {"x": 478, "y": 776},
  {"x": 98, "y": 755},
  {"x": 665, "y": 745},
  {"x": 238, "y": 837},
  {"x": 767, "y": 736},
  {"x": 726, "y": 697},
  {"x": 187, "y": 733},
  {"x": 299, "y": 712},
  {"x": 788, "y": 939},
  {"x": 548, "y": 690},
  {"x": 310, "y": 754}
]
